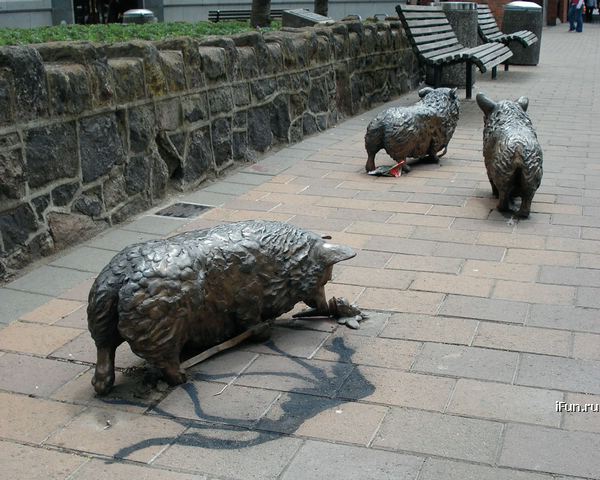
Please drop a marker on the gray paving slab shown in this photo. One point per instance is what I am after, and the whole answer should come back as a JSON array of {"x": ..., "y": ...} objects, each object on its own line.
[
  {"x": 155, "y": 224},
  {"x": 437, "y": 469},
  {"x": 343, "y": 462},
  {"x": 551, "y": 450},
  {"x": 14, "y": 303},
  {"x": 484, "y": 309},
  {"x": 202, "y": 197},
  {"x": 49, "y": 280},
  {"x": 228, "y": 188},
  {"x": 118, "y": 239},
  {"x": 565, "y": 317},
  {"x": 85, "y": 259}
]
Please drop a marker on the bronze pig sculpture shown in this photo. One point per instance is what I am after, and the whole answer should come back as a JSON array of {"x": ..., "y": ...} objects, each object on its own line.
[
  {"x": 511, "y": 151},
  {"x": 423, "y": 129},
  {"x": 204, "y": 287}
]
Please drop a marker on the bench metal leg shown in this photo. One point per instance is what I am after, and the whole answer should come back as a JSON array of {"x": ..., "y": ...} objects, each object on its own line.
[
  {"x": 469, "y": 80},
  {"x": 506, "y": 66},
  {"x": 494, "y": 72},
  {"x": 437, "y": 76}
]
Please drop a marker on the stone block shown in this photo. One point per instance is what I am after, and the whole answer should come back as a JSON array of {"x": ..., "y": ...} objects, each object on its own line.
[
  {"x": 222, "y": 142},
  {"x": 101, "y": 145},
  {"x": 51, "y": 153},
  {"x": 467, "y": 362},
  {"x": 128, "y": 74},
  {"x": 220, "y": 100},
  {"x": 260, "y": 136},
  {"x": 214, "y": 63},
  {"x": 16, "y": 226},
  {"x": 168, "y": 114},
  {"x": 63, "y": 194},
  {"x": 195, "y": 107},
  {"x": 142, "y": 127},
  {"x": 199, "y": 158},
  {"x": 69, "y": 91},
  {"x": 440, "y": 435},
  {"x": 173, "y": 66},
  {"x": 71, "y": 228},
  {"x": 12, "y": 174}
]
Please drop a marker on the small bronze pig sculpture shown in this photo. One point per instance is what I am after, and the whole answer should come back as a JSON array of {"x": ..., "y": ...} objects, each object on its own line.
[
  {"x": 423, "y": 129},
  {"x": 512, "y": 153},
  {"x": 204, "y": 287}
]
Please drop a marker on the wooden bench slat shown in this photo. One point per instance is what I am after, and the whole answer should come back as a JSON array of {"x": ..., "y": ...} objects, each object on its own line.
[
  {"x": 489, "y": 31},
  {"x": 426, "y": 30},
  {"x": 423, "y": 15},
  {"x": 426, "y": 23},
  {"x": 426, "y": 47}
]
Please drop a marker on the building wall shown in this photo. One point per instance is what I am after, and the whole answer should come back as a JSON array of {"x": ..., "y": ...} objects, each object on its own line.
[{"x": 93, "y": 134}]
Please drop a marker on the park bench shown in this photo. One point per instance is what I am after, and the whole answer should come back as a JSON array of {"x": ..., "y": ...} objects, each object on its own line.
[
  {"x": 435, "y": 44},
  {"x": 218, "y": 15},
  {"x": 489, "y": 31}
]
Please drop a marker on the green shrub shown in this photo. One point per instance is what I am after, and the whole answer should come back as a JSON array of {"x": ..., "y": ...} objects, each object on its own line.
[{"x": 117, "y": 32}]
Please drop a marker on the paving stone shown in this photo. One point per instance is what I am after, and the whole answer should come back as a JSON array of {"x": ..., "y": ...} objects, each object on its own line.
[
  {"x": 34, "y": 338},
  {"x": 231, "y": 453},
  {"x": 565, "y": 317},
  {"x": 534, "y": 292},
  {"x": 290, "y": 341},
  {"x": 366, "y": 258},
  {"x": 343, "y": 462},
  {"x": 248, "y": 178},
  {"x": 362, "y": 350},
  {"x": 83, "y": 349},
  {"x": 588, "y": 297},
  {"x": 400, "y": 301},
  {"x": 155, "y": 224},
  {"x": 76, "y": 319},
  {"x": 469, "y": 362},
  {"x": 456, "y": 284},
  {"x": 523, "y": 339},
  {"x": 31, "y": 420},
  {"x": 430, "y": 329},
  {"x": 102, "y": 469},
  {"x": 132, "y": 392},
  {"x": 512, "y": 240},
  {"x": 585, "y": 346},
  {"x": 445, "y": 235},
  {"x": 391, "y": 230},
  {"x": 484, "y": 309},
  {"x": 425, "y": 263},
  {"x": 47, "y": 280},
  {"x": 79, "y": 292},
  {"x": 548, "y": 230},
  {"x": 574, "y": 244},
  {"x": 229, "y": 188},
  {"x": 14, "y": 304},
  {"x": 35, "y": 376},
  {"x": 394, "y": 387},
  {"x": 117, "y": 434},
  {"x": 373, "y": 277},
  {"x": 117, "y": 239},
  {"x": 550, "y": 450},
  {"x": 200, "y": 400},
  {"x": 570, "y": 276},
  {"x": 313, "y": 377},
  {"x": 436, "y": 469},
  {"x": 476, "y": 252},
  {"x": 37, "y": 463},
  {"x": 85, "y": 259},
  {"x": 422, "y": 220},
  {"x": 502, "y": 271},
  {"x": 559, "y": 373},
  {"x": 371, "y": 326},
  {"x": 503, "y": 402},
  {"x": 202, "y": 197},
  {"x": 439, "y": 434},
  {"x": 323, "y": 418},
  {"x": 52, "y": 311},
  {"x": 401, "y": 245},
  {"x": 588, "y": 421}
]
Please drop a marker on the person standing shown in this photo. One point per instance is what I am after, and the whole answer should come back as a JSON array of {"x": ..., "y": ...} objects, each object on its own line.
[
  {"x": 589, "y": 10},
  {"x": 576, "y": 16}
]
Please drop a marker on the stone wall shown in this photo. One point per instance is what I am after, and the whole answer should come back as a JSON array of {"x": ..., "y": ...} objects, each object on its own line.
[{"x": 92, "y": 134}]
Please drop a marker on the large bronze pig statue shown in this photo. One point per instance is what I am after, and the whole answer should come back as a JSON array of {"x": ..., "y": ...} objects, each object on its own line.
[
  {"x": 423, "y": 129},
  {"x": 512, "y": 153},
  {"x": 204, "y": 287}
]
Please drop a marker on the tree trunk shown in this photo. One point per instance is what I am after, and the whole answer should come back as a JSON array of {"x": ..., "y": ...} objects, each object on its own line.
[
  {"x": 261, "y": 13},
  {"x": 321, "y": 7}
]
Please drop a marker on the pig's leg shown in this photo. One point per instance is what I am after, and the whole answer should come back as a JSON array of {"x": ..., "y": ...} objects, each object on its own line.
[
  {"x": 172, "y": 371},
  {"x": 370, "y": 165},
  {"x": 494, "y": 188},
  {"x": 525, "y": 205},
  {"x": 504, "y": 201},
  {"x": 104, "y": 375}
]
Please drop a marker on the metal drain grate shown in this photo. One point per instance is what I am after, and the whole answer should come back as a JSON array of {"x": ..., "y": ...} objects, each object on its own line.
[{"x": 182, "y": 210}]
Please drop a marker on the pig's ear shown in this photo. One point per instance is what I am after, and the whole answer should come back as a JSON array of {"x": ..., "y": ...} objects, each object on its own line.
[
  {"x": 453, "y": 93},
  {"x": 332, "y": 253},
  {"x": 523, "y": 102},
  {"x": 425, "y": 91},
  {"x": 486, "y": 104}
]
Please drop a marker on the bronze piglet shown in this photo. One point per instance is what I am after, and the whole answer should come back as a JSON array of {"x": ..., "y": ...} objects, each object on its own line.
[
  {"x": 203, "y": 287},
  {"x": 512, "y": 153},
  {"x": 423, "y": 129}
]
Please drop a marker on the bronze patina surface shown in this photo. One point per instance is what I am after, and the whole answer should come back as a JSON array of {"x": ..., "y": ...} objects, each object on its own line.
[
  {"x": 203, "y": 287},
  {"x": 423, "y": 129},
  {"x": 513, "y": 156}
]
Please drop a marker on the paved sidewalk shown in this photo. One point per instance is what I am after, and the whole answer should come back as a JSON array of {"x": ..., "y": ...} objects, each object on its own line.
[{"x": 480, "y": 323}]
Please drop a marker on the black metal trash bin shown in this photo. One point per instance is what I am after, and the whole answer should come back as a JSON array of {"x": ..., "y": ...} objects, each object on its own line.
[{"x": 521, "y": 15}]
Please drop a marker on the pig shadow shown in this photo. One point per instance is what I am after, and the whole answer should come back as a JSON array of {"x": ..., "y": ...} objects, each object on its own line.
[{"x": 297, "y": 406}]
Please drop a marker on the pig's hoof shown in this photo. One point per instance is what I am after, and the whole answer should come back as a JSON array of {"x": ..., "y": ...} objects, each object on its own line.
[
  {"x": 175, "y": 377},
  {"x": 263, "y": 334},
  {"x": 522, "y": 214},
  {"x": 103, "y": 383}
]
